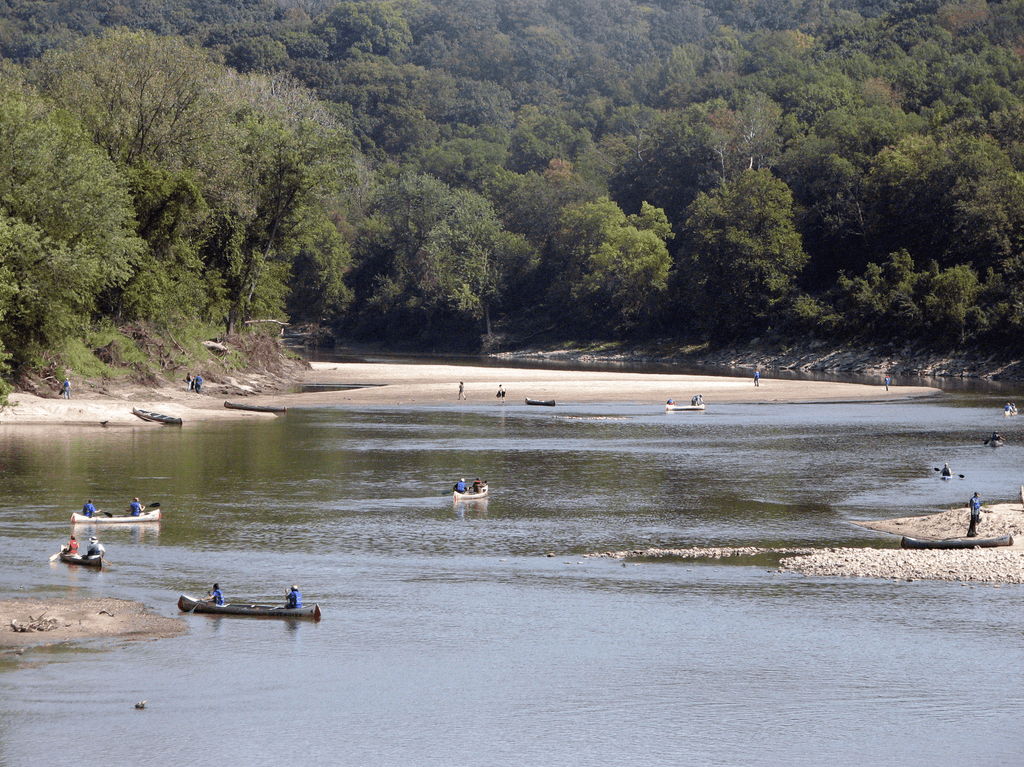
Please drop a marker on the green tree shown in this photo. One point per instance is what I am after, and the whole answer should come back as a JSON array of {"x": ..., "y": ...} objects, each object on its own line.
[
  {"x": 745, "y": 253},
  {"x": 614, "y": 267},
  {"x": 68, "y": 225},
  {"x": 434, "y": 261}
]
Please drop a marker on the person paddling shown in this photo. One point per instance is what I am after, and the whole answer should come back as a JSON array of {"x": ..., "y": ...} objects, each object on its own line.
[
  {"x": 294, "y": 598},
  {"x": 135, "y": 508},
  {"x": 215, "y": 596}
]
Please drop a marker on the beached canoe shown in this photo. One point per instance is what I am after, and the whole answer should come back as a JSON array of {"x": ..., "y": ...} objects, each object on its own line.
[
  {"x": 670, "y": 408},
  {"x": 188, "y": 604},
  {"x": 955, "y": 543},
  {"x": 78, "y": 559},
  {"x": 457, "y": 496},
  {"x": 148, "y": 415},
  {"x": 544, "y": 402},
  {"x": 150, "y": 515},
  {"x": 256, "y": 408}
]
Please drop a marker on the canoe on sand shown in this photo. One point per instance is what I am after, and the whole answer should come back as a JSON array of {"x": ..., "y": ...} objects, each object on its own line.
[
  {"x": 188, "y": 604},
  {"x": 149, "y": 415},
  {"x": 544, "y": 402},
  {"x": 956, "y": 543},
  {"x": 256, "y": 408}
]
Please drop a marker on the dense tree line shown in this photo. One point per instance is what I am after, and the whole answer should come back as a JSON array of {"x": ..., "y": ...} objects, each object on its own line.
[{"x": 446, "y": 172}]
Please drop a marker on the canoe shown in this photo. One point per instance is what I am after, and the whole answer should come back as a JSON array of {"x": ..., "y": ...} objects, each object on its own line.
[
  {"x": 148, "y": 415},
  {"x": 994, "y": 442},
  {"x": 101, "y": 518},
  {"x": 544, "y": 402},
  {"x": 955, "y": 543},
  {"x": 256, "y": 408},
  {"x": 457, "y": 496},
  {"x": 187, "y": 605},
  {"x": 78, "y": 559},
  {"x": 685, "y": 407}
]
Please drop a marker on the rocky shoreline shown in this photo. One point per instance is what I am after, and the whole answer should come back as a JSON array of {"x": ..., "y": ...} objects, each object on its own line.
[{"x": 813, "y": 357}]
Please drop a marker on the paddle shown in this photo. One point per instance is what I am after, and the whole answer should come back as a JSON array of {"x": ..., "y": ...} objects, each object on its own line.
[{"x": 54, "y": 557}]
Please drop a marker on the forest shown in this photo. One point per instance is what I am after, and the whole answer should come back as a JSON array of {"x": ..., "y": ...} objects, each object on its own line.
[{"x": 479, "y": 173}]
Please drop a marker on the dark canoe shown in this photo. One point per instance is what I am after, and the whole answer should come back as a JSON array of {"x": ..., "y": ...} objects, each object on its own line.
[
  {"x": 956, "y": 543},
  {"x": 256, "y": 408},
  {"x": 148, "y": 415},
  {"x": 544, "y": 402},
  {"x": 187, "y": 605},
  {"x": 78, "y": 559}
]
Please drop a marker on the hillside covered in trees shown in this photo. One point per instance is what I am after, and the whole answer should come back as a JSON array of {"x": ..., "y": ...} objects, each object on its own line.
[{"x": 453, "y": 174}]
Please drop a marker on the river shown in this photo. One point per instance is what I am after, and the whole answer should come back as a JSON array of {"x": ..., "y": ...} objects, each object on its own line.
[{"x": 479, "y": 633}]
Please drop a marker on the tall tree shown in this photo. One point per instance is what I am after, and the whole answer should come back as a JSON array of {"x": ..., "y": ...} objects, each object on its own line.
[{"x": 744, "y": 252}]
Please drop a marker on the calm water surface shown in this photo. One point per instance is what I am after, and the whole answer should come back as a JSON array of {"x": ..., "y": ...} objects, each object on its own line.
[{"x": 451, "y": 637}]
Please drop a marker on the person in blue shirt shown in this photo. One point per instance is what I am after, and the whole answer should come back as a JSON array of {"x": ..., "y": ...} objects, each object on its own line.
[
  {"x": 460, "y": 486},
  {"x": 294, "y": 598},
  {"x": 89, "y": 510},
  {"x": 135, "y": 508},
  {"x": 215, "y": 596},
  {"x": 65, "y": 389},
  {"x": 197, "y": 384},
  {"x": 975, "y": 506}
]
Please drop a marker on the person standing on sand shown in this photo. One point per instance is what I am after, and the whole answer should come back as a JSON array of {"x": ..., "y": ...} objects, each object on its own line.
[
  {"x": 975, "y": 506},
  {"x": 462, "y": 390},
  {"x": 65, "y": 389},
  {"x": 501, "y": 393},
  {"x": 757, "y": 378},
  {"x": 887, "y": 382}
]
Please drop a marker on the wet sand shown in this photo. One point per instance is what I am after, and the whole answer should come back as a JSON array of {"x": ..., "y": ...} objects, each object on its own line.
[{"x": 54, "y": 621}]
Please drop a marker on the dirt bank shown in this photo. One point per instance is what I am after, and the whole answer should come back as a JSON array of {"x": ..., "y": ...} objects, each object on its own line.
[{"x": 817, "y": 357}]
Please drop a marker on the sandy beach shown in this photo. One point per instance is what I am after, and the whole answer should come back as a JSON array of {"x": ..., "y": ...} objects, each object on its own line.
[{"x": 396, "y": 385}]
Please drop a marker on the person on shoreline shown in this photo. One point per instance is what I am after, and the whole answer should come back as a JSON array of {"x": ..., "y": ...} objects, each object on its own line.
[
  {"x": 975, "y": 506},
  {"x": 462, "y": 390},
  {"x": 757, "y": 378},
  {"x": 197, "y": 384},
  {"x": 89, "y": 510},
  {"x": 65, "y": 389},
  {"x": 188, "y": 382},
  {"x": 135, "y": 508},
  {"x": 501, "y": 393},
  {"x": 887, "y": 382},
  {"x": 215, "y": 596},
  {"x": 294, "y": 598}
]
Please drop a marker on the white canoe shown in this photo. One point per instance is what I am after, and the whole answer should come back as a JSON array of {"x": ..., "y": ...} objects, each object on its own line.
[
  {"x": 457, "y": 496},
  {"x": 101, "y": 518},
  {"x": 670, "y": 408}
]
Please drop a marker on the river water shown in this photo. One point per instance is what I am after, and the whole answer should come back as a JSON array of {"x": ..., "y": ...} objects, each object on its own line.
[{"x": 452, "y": 636}]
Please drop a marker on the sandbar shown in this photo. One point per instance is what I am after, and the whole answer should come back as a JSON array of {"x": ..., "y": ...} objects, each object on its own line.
[
  {"x": 405, "y": 384},
  {"x": 69, "y": 620}
]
